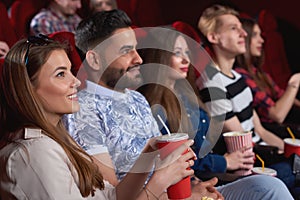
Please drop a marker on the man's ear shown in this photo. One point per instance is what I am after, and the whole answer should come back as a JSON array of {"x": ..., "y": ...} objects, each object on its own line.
[
  {"x": 94, "y": 60},
  {"x": 59, "y": 2},
  {"x": 212, "y": 37}
]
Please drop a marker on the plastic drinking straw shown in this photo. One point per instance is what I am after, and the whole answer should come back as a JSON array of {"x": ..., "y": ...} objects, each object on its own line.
[
  {"x": 163, "y": 123},
  {"x": 291, "y": 133},
  {"x": 262, "y": 162}
]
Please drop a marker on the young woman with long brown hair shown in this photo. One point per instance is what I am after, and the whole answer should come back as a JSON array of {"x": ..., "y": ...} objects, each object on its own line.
[
  {"x": 273, "y": 105},
  {"x": 38, "y": 157},
  {"x": 175, "y": 99}
]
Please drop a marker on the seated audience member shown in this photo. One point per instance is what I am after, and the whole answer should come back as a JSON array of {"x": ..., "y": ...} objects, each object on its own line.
[
  {"x": 114, "y": 123},
  {"x": 225, "y": 92},
  {"x": 273, "y": 105},
  {"x": 58, "y": 16},
  {"x": 102, "y": 5},
  {"x": 39, "y": 159},
  {"x": 116, "y": 119},
  {"x": 171, "y": 96},
  {"x": 165, "y": 84},
  {"x": 4, "y": 48}
]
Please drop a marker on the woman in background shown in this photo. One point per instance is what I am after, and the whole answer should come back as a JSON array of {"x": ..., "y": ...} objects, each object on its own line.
[
  {"x": 171, "y": 96},
  {"x": 4, "y": 48},
  {"x": 273, "y": 105},
  {"x": 102, "y": 5}
]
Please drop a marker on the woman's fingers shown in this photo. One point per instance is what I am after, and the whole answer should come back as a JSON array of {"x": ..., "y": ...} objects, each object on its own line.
[
  {"x": 190, "y": 163},
  {"x": 178, "y": 151},
  {"x": 211, "y": 182},
  {"x": 181, "y": 155}
]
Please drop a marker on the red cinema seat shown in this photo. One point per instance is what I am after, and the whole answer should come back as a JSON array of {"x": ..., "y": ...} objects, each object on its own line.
[
  {"x": 68, "y": 38},
  {"x": 7, "y": 32},
  {"x": 187, "y": 30},
  {"x": 1, "y": 66},
  {"x": 1, "y": 63},
  {"x": 276, "y": 63},
  {"x": 145, "y": 13},
  {"x": 22, "y": 11}
]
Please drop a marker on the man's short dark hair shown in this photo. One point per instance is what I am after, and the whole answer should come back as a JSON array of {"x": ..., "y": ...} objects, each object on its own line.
[{"x": 98, "y": 27}]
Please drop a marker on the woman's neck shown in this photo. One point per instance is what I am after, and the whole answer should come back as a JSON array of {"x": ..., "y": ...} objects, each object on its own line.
[
  {"x": 170, "y": 83},
  {"x": 53, "y": 119}
]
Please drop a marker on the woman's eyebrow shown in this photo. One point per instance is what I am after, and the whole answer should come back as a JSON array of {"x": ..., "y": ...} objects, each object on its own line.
[{"x": 60, "y": 68}]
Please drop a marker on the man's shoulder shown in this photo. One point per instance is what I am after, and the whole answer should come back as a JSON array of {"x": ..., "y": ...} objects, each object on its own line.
[
  {"x": 137, "y": 96},
  {"x": 43, "y": 14},
  {"x": 83, "y": 92},
  {"x": 236, "y": 73},
  {"x": 135, "y": 93},
  {"x": 211, "y": 72},
  {"x": 211, "y": 78},
  {"x": 85, "y": 97}
]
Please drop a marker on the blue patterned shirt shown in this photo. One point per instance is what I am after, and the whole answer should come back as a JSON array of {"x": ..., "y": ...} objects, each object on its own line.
[{"x": 120, "y": 123}]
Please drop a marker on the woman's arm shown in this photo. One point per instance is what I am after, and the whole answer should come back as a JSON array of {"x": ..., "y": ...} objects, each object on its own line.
[
  {"x": 209, "y": 135},
  {"x": 283, "y": 105},
  {"x": 40, "y": 169},
  {"x": 267, "y": 106},
  {"x": 171, "y": 174},
  {"x": 212, "y": 163},
  {"x": 106, "y": 168},
  {"x": 297, "y": 102},
  {"x": 168, "y": 172},
  {"x": 267, "y": 136}
]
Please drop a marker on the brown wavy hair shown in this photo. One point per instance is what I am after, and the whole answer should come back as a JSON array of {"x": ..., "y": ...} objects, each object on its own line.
[
  {"x": 20, "y": 107},
  {"x": 156, "y": 66},
  {"x": 247, "y": 61}
]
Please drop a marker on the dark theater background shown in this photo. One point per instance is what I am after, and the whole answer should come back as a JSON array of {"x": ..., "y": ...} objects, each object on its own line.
[
  {"x": 161, "y": 12},
  {"x": 157, "y": 12}
]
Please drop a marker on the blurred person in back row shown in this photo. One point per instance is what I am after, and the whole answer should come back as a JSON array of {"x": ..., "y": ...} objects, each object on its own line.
[
  {"x": 102, "y": 5},
  {"x": 3, "y": 49},
  {"x": 59, "y": 15}
]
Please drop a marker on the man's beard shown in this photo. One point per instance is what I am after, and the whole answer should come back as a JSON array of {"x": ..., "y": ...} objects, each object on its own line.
[{"x": 118, "y": 79}]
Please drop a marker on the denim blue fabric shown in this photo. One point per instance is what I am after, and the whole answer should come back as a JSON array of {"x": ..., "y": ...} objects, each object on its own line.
[{"x": 200, "y": 122}]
